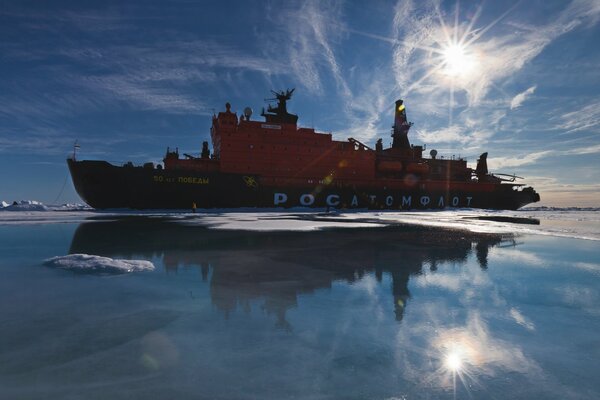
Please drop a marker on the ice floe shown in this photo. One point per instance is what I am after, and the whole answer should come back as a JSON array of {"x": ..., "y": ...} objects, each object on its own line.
[
  {"x": 97, "y": 264},
  {"x": 574, "y": 223}
]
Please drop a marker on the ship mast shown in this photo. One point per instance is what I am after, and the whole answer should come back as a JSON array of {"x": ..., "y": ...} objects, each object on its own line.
[
  {"x": 280, "y": 114},
  {"x": 401, "y": 127},
  {"x": 75, "y": 147}
]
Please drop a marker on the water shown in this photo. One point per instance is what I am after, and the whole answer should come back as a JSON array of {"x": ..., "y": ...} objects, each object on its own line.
[{"x": 366, "y": 308}]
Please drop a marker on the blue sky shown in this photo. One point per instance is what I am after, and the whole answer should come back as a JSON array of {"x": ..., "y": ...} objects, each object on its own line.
[{"x": 127, "y": 79}]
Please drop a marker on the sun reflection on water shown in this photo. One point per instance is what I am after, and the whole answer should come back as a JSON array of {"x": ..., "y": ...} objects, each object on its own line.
[{"x": 461, "y": 355}]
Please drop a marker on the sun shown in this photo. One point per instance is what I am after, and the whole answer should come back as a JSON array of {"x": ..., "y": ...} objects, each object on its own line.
[
  {"x": 457, "y": 60},
  {"x": 453, "y": 362}
]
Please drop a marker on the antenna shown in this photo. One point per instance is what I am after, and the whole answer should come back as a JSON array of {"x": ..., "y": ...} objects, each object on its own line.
[{"x": 75, "y": 147}]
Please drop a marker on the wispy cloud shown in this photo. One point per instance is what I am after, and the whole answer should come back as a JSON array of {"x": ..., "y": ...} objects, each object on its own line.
[
  {"x": 586, "y": 118},
  {"x": 532, "y": 158},
  {"x": 583, "y": 150},
  {"x": 454, "y": 134},
  {"x": 35, "y": 144},
  {"x": 582, "y": 296},
  {"x": 53, "y": 141},
  {"x": 521, "y": 319},
  {"x": 414, "y": 27},
  {"x": 155, "y": 76},
  {"x": 319, "y": 21},
  {"x": 517, "y": 161},
  {"x": 308, "y": 43},
  {"x": 368, "y": 107},
  {"x": 514, "y": 255},
  {"x": 521, "y": 97},
  {"x": 98, "y": 21},
  {"x": 145, "y": 96},
  {"x": 592, "y": 267}
]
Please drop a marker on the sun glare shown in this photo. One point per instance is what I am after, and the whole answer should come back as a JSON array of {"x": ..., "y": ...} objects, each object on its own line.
[
  {"x": 453, "y": 362},
  {"x": 457, "y": 60}
]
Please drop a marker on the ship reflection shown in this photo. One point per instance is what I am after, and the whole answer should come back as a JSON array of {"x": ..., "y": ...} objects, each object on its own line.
[{"x": 243, "y": 266}]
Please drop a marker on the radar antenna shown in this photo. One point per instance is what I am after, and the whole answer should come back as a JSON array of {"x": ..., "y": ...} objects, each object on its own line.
[{"x": 280, "y": 113}]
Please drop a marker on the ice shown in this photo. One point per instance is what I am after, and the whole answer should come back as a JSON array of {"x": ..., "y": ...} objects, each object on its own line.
[
  {"x": 69, "y": 207},
  {"x": 277, "y": 221},
  {"x": 571, "y": 222},
  {"x": 574, "y": 224},
  {"x": 97, "y": 264},
  {"x": 560, "y": 209},
  {"x": 33, "y": 205},
  {"x": 24, "y": 205}
]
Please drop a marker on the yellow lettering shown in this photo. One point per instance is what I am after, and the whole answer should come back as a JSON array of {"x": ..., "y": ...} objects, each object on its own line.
[{"x": 193, "y": 180}]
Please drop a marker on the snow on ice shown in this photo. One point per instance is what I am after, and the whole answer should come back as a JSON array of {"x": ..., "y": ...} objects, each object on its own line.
[{"x": 97, "y": 264}]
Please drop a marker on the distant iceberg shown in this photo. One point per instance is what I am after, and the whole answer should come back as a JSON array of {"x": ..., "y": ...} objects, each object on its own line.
[
  {"x": 24, "y": 205},
  {"x": 96, "y": 264},
  {"x": 33, "y": 205},
  {"x": 71, "y": 207}
]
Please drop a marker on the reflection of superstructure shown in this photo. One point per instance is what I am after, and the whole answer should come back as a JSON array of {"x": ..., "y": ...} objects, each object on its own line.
[
  {"x": 277, "y": 267},
  {"x": 277, "y": 163}
]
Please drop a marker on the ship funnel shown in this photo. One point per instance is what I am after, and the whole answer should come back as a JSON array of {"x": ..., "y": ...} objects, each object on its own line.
[
  {"x": 401, "y": 127},
  {"x": 482, "y": 169}
]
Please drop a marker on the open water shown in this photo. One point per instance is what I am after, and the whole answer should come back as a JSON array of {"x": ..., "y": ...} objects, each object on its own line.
[{"x": 438, "y": 305}]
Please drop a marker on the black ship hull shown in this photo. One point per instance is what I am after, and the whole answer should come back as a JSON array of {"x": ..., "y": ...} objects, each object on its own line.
[{"x": 105, "y": 186}]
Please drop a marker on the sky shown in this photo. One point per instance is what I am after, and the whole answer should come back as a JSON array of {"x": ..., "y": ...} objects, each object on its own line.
[{"x": 518, "y": 79}]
